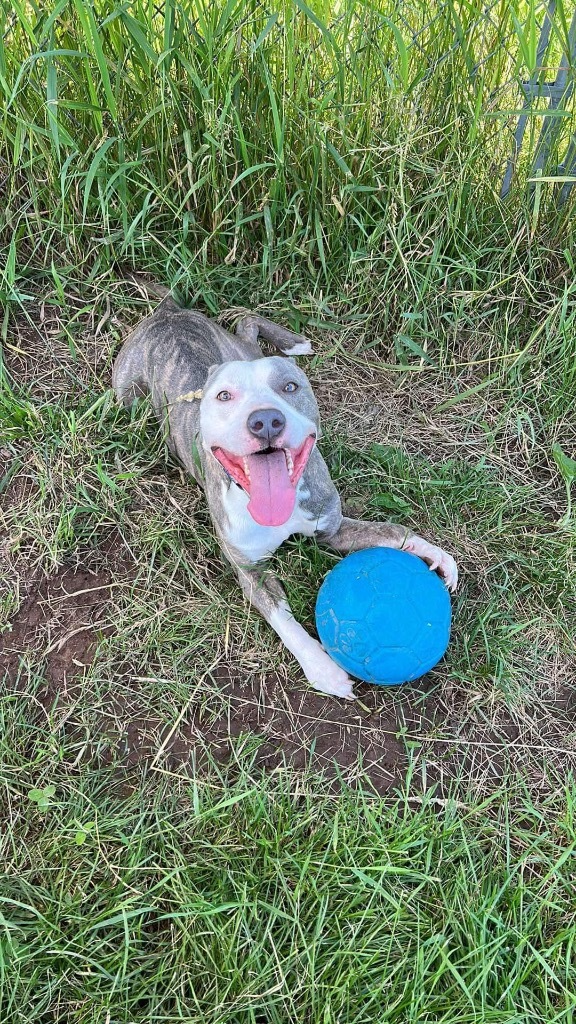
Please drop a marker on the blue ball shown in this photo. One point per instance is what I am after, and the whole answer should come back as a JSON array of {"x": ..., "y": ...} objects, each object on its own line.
[{"x": 383, "y": 616}]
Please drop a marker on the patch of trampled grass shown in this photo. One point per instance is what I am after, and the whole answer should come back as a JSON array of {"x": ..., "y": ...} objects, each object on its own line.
[{"x": 397, "y": 448}]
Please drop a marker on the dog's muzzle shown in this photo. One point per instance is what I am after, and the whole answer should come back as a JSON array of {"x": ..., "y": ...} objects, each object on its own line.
[{"x": 269, "y": 477}]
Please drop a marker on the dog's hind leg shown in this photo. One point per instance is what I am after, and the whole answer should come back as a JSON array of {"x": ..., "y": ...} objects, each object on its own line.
[
  {"x": 128, "y": 375},
  {"x": 252, "y": 327}
]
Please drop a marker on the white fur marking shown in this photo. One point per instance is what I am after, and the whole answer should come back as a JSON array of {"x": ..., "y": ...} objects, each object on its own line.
[
  {"x": 254, "y": 541},
  {"x": 301, "y": 348},
  {"x": 321, "y": 672}
]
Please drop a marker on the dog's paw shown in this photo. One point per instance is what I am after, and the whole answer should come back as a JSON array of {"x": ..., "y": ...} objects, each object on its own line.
[
  {"x": 436, "y": 558},
  {"x": 301, "y": 348},
  {"x": 327, "y": 677},
  {"x": 336, "y": 687},
  {"x": 340, "y": 687}
]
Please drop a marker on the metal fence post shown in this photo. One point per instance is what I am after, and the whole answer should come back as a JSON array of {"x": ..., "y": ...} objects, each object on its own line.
[{"x": 556, "y": 92}]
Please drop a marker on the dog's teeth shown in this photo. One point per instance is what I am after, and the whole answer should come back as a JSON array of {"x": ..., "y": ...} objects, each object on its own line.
[
  {"x": 246, "y": 468},
  {"x": 289, "y": 462}
]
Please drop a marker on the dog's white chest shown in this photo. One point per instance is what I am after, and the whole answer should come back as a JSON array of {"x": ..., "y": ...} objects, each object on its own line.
[{"x": 255, "y": 541}]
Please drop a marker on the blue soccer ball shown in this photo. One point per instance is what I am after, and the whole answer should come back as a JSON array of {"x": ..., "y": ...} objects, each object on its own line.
[{"x": 383, "y": 616}]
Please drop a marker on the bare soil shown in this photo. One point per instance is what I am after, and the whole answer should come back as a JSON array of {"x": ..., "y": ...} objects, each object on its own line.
[{"x": 57, "y": 628}]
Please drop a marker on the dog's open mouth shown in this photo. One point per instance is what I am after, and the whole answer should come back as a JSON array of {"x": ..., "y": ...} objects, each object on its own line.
[{"x": 269, "y": 477}]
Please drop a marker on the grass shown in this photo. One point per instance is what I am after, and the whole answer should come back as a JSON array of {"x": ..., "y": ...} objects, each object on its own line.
[
  {"x": 171, "y": 851},
  {"x": 231, "y": 899}
]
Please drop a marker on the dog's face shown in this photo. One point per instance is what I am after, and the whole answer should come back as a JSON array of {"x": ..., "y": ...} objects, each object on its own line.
[{"x": 259, "y": 420}]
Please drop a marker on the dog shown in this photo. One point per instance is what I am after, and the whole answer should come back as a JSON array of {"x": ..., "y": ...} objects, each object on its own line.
[{"x": 246, "y": 427}]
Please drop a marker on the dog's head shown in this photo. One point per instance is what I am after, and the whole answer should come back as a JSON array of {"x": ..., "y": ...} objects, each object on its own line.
[{"x": 259, "y": 420}]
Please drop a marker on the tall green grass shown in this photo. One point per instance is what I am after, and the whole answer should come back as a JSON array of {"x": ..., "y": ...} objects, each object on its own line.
[{"x": 289, "y": 137}]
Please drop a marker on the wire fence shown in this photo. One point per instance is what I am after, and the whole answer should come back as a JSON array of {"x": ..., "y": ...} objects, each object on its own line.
[
  {"x": 558, "y": 93},
  {"x": 546, "y": 95}
]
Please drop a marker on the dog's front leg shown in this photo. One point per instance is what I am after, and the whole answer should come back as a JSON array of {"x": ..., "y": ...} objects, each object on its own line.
[
  {"x": 356, "y": 534},
  {"x": 266, "y": 594}
]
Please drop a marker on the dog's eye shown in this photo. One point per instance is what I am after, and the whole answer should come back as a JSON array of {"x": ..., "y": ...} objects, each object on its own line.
[
  {"x": 223, "y": 396},
  {"x": 290, "y": 386}
]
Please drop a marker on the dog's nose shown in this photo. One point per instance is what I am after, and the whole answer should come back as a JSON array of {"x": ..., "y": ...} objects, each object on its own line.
[{"x": 266, "y": 423}]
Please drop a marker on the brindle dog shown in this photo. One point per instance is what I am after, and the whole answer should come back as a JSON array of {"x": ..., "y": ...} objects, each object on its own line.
[{"x": 246, "y": 427}]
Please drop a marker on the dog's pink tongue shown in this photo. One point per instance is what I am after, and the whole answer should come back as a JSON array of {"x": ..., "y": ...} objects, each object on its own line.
[{"x": 272, "y": 494}]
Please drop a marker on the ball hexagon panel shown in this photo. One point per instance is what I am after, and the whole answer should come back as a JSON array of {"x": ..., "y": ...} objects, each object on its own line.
[
  {"x": 401, "y": 665},
  {"x": 360, "y": 590},
  {"x": 391, "y": 619}
]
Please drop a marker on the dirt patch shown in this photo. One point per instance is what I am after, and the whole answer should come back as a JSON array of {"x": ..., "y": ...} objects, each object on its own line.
[
  {"x": 56, "y": 351},
  {"x": 56, "y": 627},
  {"x": 54, "y": 635},
  {"x": 281, "y": 726},
  {"x": 300, "y": 730}
]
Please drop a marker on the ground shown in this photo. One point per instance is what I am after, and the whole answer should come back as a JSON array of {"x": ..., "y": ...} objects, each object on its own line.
[{"x": 126, "y": 628}]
